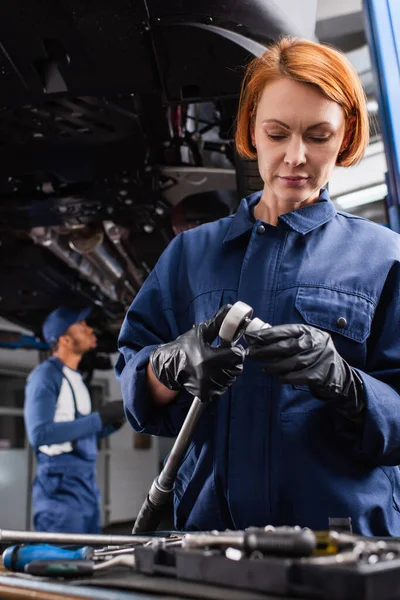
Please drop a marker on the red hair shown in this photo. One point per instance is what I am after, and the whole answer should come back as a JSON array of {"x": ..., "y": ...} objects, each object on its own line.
[{"x": 307, "y": 62}]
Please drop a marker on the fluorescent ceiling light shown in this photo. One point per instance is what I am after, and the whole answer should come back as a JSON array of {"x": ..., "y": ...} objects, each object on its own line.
[
  {"x": 360, "y": 197},
  {"x": 372, "y": 106}
]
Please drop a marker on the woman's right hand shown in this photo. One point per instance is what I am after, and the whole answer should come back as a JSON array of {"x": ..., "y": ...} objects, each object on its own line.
[{"x": 191, "y": 363}]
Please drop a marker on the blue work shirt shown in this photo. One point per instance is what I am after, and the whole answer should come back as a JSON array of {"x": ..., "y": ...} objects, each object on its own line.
[{"x": 265, "y": 452}]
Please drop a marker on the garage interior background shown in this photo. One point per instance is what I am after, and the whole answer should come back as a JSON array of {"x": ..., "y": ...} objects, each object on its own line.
[{"x": 127, "y": 463}]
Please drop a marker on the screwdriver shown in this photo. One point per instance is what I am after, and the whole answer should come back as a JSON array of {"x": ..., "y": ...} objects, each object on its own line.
[
  {"x": 76, "y": 568},
  {"x": 300, "y": 542},
  {"x": 60, "y": 568},
  {"x": 15, "y": 558}
]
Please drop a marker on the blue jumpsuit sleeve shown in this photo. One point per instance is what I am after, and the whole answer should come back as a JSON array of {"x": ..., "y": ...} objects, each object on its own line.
[
  {"x": 377, "y": 442},
  {"x": 41, "y": 394},
  {"x": 145, "y": 327}
]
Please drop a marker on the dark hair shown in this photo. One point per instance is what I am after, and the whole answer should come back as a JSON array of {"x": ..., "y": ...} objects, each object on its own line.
[{"x": 54, "y": 346}]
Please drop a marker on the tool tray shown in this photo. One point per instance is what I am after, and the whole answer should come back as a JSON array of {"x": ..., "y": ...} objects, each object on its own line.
[{"x": 278, "y": 576}]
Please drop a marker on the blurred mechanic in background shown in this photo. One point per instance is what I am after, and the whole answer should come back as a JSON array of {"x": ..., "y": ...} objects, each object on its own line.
[{"x": 63, "y": 430}]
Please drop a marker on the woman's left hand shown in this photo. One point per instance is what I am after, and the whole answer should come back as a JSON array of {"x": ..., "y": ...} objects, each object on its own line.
[{"x": 305, "y": 355}]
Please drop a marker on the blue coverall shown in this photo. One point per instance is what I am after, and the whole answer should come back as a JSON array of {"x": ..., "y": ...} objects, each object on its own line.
[
  {"x": 268, "y": 453},
  {"x": 65, "y": 494}
]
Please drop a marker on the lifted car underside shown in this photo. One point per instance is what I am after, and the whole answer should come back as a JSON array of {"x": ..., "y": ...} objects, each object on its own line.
[{"x": 116, "y": 129}]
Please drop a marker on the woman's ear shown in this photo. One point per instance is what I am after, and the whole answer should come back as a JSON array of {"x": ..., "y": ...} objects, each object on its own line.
[
  {"x": 252, "y": 125},
  {"x": 253, "y": 139},
  {"x": 348, "y": 134}
]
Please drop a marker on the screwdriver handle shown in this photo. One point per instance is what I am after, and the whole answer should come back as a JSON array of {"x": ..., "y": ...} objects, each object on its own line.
[
  {"x": 16, "y": 557},
  {"x": 60, "y": 568},
  {"x": 293, "y": 544}
]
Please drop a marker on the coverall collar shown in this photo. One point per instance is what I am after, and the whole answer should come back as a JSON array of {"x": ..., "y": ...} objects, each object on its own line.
[
  {"x": 60, "y": 365},
  {"x": 303, "y": 220}
]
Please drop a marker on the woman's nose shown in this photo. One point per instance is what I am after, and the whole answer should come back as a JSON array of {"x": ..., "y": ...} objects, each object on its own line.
[{"x": 295, "y": 152}]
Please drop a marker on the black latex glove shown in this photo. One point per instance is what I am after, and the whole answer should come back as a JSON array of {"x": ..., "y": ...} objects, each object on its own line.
[
  {"x": 305, "y": 355},
  {"x": 191, "y": 363},
  {"x": 112, "y": 413}
]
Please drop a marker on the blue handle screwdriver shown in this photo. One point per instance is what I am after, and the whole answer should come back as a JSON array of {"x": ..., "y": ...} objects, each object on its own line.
[
  {"x": 77, "y": 568},
  {"x": 51, "y": 561},
  {"x": 61, "y": 568},
  {"x": 16, "y": 557}
]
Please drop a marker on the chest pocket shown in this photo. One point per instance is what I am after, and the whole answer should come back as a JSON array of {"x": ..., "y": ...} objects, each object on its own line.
[{"x": 345, "y": 313}]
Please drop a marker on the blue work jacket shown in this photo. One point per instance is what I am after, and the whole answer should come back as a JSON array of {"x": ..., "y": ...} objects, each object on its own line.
[{"x": 265, "y": 452}]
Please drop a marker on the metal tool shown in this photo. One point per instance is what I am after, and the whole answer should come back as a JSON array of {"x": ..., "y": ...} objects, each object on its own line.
[
  {"x": 236, "y": 322},
  {"x": 76, "y": 568},
  {"x": 124, "y": 560},
  {"x": 241, "y": 316},
  {"x": 109, "y": 552},
  {"x": 293, "y": 543},
  {"x": 78, "y": 539},
  {"x": 50, "y": 560}
]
